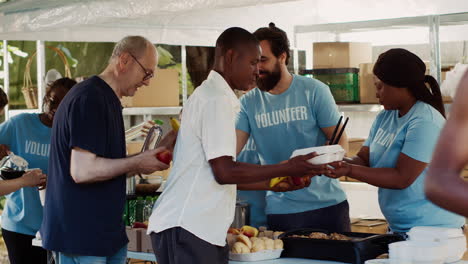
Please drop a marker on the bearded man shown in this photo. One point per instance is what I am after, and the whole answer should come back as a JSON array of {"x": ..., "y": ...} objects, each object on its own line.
[{"x": 284, "y": 113}]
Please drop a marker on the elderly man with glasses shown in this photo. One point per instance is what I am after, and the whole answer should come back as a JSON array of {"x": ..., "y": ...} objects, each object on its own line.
[{"x": 88, "y": 164}]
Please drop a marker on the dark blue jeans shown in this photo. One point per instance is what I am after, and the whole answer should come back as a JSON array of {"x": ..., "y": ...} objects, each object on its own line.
[{"x": 333, "y": 218}]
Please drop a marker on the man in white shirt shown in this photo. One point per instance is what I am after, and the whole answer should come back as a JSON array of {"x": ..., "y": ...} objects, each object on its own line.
[{"x": 191, "y": 218}]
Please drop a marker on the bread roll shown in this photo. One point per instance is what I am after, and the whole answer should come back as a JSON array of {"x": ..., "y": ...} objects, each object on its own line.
[
  {"x": 253, "y": 239},
  {"x": 279, "y": 244},
  {"x": 269, "y": 234},
  {"x": 277, "y": 234},
  {"x": 244, "y": 239},
  {"x": 240, "y": 248},
  {"x": 258, "y": 247},
  {"x": 258, "y": 242},
  {"x": 269, "y": 244}
]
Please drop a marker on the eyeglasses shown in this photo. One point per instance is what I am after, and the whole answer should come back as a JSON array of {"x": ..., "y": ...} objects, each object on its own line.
[{"x": 148, "y": 74}]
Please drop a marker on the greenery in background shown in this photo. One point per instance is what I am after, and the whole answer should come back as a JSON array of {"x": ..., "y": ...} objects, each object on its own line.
[
  {"x": 170, "y": 58},
  {"x": 21, "y": 53},
  {"x": 16, "y": 69},
  {"x": 12, "y": 50},
  {"x": 84, "y": 58},
  {"x": 93, "y": 58}
]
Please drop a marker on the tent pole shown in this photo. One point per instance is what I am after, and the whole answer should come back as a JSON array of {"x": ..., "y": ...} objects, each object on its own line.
[
  {"x": 295, "y": 54},
  {"x": 40, "y": 48},
  {"x": 184, "y": 73},
  {"x": 434, "y": 42}
]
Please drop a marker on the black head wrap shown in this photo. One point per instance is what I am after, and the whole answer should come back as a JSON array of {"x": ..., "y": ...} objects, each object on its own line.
[{"x": 402, "y": 68}]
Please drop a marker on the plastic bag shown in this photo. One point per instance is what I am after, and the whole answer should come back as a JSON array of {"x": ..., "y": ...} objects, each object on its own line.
[{"x": 453, "y": 77}]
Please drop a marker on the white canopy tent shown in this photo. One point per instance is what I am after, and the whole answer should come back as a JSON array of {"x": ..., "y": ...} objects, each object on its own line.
[{"x": 191, "y": 22}]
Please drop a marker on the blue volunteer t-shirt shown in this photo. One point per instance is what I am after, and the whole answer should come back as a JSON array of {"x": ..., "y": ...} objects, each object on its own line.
[
  {"x": 280, "y": 124},
  {"x": 29, "y": 138},
  {"x": 256, "y": 199},
  {"x": 415, "y": 135},
  {"x": 85, "y": 219}
]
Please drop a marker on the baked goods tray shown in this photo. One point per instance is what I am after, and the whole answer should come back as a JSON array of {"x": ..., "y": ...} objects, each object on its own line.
[{"x": 356, "y": 248}]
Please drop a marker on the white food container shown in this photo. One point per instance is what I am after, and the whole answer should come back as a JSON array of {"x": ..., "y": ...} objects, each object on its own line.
[
  {"x": 400, "y": 253},
  {"x": 417, "y": 252},
  {"x": 326, "y": 154},
  {"x": 452, "y": 239},
  {"x": 426, "y": 252},
  {"x": 257, "y": 256}
]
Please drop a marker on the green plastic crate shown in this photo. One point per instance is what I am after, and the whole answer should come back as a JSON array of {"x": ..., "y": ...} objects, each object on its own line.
[{"x": 343, "y": 82}]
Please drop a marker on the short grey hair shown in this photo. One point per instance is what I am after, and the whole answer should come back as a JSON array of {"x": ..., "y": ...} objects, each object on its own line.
[{"x": 135, "y": 45}]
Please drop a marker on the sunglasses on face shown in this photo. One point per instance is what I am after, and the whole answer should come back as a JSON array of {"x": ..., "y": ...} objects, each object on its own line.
[{"x": 148, "y": 74}]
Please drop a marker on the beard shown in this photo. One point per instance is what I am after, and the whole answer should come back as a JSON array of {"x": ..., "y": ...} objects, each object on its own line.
[{"x": 270, "y": 80}]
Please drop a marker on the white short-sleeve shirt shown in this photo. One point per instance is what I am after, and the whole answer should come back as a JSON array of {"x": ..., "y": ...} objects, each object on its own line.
[{"x": 192, "y": 198}]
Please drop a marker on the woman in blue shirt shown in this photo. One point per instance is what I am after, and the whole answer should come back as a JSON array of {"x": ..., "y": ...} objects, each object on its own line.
[
  {"x": 400, "y": 144},
  {"x": 28, "y": 135}
]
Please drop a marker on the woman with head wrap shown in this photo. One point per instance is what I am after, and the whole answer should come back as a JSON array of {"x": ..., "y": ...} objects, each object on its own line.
[{"x": 401, "y": 142}]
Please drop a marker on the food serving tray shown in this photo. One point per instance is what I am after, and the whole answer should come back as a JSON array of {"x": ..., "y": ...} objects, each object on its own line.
[{"x": 360, "y": 247}]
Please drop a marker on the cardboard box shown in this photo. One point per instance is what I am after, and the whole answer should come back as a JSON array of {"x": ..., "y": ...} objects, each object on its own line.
[
  {"x": 367, "y": 88},
  {"x": 355, "y": 145},
  {"x": 443, "y": 76},
  {"x": 375, "y": 226},
  {"x": 163, "y": 90},
  {"x": 134, "y": 237},
  {"x": 134, "y": 147},
  {"x": 341, "y": 54},
  {"x": 146, "y": 244}
]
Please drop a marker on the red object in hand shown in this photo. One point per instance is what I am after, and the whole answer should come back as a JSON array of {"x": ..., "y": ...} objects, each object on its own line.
[
  {"x": 139, "y": 225},
  {"x": 164, "y": 156},
  {"x": 297, "y": 181}
]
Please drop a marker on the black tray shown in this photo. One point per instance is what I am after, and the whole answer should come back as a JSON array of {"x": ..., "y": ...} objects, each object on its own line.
[
  {"x": 9, "y": 174},
  {"x": 361, "y": 247}
]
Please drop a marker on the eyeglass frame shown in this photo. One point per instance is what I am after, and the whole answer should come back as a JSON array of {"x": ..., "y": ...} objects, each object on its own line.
[{"x": 148, "y": 74}]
